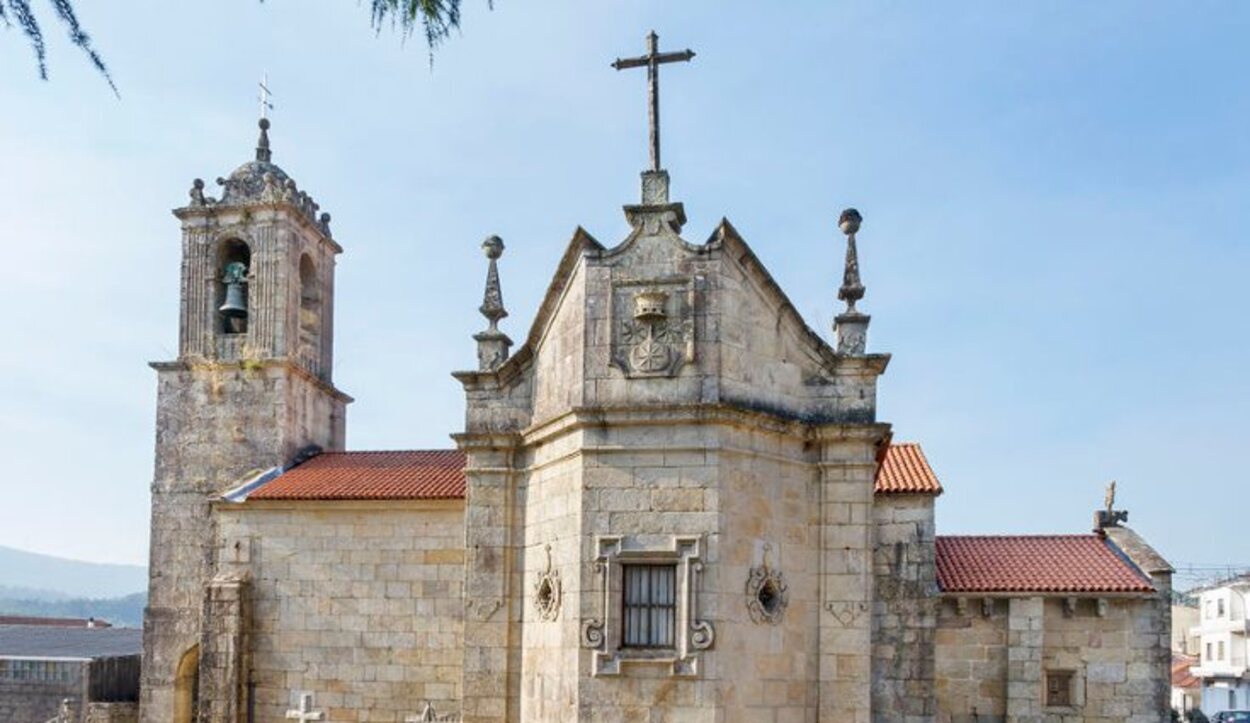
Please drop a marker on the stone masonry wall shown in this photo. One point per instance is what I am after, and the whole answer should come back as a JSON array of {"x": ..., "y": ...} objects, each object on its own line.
[
  {"x": 31, "y": 701},
  {"x": 770, "y": 507},
  {"x": 215, "y": 423},
  {"x": 112, "y": 713},
  {"x": 549, "y": 642},
  {"x": 905, "y": 608},
  {"x": 970, "y": 667},
  {"x": 559, "y": 359},
  {"x": 992, "y": 668},
  {"x": 648, "y": 485},
  {"x": 357, "y": 603}
]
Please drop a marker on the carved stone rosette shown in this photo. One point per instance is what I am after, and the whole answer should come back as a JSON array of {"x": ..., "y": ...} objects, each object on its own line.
[
  {"x": 652, "y": 327},
  {"x": 548, "y": 591},
  {"x": 767, "y": 595}
]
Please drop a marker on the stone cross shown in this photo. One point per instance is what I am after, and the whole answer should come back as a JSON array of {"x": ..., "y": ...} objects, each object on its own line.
[
  {"x": 652, "y": 60},
  {"x": 265, "y": 104},
  {"x": 426, "y": 715},
  {"x": 305, "y": 712}
]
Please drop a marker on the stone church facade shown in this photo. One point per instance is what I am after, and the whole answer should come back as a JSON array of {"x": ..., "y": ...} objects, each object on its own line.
[{"x": 672, "y": 502}]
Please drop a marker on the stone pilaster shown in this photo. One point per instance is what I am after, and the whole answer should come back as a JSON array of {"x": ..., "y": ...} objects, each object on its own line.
[
  {"x": 489, "y": 683},
  {"x": 847, "y": 470},
  {"x": 223, "y": 650},
  {"x": 1025, "y": 636},
  {"x": 905, "y": 609}
]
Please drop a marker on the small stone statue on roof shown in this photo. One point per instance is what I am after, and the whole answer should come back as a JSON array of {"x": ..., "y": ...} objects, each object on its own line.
[
  {"x": 197, "y": 192},
  {"x": 1109, "y": 516}
]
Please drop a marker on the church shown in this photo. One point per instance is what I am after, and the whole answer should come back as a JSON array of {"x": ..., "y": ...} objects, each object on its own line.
[{"x": 673, "y": 500}]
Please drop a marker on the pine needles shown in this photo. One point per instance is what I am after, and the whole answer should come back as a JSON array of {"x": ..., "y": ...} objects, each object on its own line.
[{"x": 19, "y": 12}]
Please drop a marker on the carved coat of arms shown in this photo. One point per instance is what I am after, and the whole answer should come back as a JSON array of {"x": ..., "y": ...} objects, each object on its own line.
[{"x": 653, "y": 328}]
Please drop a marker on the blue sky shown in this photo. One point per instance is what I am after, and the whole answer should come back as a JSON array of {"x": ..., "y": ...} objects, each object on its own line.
[{"x": 1054, "y": 248}]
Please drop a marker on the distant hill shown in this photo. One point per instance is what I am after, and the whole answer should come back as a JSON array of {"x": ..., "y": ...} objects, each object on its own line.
[
  {"x": 44, "y": 577},
  {"x": 120, "y": 611}
]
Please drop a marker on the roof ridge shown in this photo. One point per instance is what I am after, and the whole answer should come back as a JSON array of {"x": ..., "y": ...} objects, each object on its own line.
[
  {"x": 1027, "y": 536},
  {"x": 390, "y": 451}
]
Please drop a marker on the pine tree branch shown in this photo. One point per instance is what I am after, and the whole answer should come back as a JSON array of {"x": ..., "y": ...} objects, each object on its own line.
[
  {"x": 21, "y": 12},
  {"x": 82, "y": 40}
]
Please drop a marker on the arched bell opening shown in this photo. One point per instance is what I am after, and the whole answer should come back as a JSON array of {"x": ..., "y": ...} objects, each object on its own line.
[
  {"x": 187, "y": 687},
  {"x": 309, "y": 315},
  {"x": 233, "y": 266}
]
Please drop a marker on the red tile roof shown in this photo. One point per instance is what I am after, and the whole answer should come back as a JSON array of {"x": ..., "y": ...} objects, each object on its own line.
[
  {"x": 904, "y": 470},
  {"x": 1181, "y": 675},
  {"x": 1035, "y": 563},
  {"x": 412, "y": 475},
  {"x": 439, "y": 474},
  {"x": 54, "y": 622}
]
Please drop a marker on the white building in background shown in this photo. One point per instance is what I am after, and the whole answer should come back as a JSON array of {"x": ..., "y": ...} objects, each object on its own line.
[{"x": 1222, "y": 634}]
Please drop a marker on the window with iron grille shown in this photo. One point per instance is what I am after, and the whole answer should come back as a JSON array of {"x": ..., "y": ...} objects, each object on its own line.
[
  {"x": 1059, "y": 687},
  {"x": 650, "y": 606}
]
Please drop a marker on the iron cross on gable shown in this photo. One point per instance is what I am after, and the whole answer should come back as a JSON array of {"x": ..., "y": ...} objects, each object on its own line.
[{"x": 653, "y": 60}]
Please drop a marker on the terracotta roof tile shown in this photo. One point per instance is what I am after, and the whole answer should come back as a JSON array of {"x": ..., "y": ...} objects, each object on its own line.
[
  {"x": 1035, "y": 563},
  {"x": 904, "y": 470},
  {"x": 410, "y": 475},
  {"x": 1182, "y": 677},
  {"x": 438, "y": 474},
  {"x": 54, "y": 622}
]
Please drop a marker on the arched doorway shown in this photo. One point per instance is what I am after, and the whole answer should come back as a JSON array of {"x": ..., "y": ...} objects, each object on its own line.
[{"x": 187, "y": 687}]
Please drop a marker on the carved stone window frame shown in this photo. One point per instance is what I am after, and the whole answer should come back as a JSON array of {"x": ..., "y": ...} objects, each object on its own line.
[{"x": 603, "y": 634}]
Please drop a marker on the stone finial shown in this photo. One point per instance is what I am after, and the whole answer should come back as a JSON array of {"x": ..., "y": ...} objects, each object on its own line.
[
  {"x": 263, "y": 154},
  {"x": 492, "y": 344},
  {"x": 852, "y": 288},
  {"x": 851, "y": 327},
  {"x": 492, "y": 300}
]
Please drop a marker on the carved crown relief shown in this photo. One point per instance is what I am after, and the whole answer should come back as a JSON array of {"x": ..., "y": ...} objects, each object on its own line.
[{"x": 652, "y": 327}]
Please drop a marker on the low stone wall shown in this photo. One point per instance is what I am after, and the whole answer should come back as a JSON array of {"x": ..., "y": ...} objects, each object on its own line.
[
  {"x": 994, "y": 656},
  {"x": 36, "y": 701},
  {"x": 359, "y": 604},
  {"x": 112, "y": 713}
]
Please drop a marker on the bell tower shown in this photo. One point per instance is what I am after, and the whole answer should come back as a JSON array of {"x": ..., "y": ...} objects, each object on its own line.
[{"x": 251, "y": 387}]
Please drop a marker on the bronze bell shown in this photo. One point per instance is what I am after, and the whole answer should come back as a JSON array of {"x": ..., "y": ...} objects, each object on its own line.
[
  {"x": 236, "y": 301},
  {"x": 235, "y": 307}
]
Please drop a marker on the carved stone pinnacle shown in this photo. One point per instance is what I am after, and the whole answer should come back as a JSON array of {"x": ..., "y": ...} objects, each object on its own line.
[
  {"x": 492, "y": 344},
  {"x": 263, "y": 153},
  {"x": 852, "y": 288}
]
